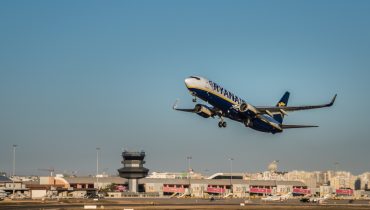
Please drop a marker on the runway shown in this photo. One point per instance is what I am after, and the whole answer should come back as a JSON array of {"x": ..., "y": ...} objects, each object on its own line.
[{"x": 174, "y": 203}]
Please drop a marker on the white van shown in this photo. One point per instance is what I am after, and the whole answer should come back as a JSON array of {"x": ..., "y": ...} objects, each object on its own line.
[{"x": 2, "y": 195}]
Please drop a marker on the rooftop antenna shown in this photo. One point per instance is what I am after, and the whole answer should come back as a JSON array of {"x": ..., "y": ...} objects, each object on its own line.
[{"x": 51, "y": 170}]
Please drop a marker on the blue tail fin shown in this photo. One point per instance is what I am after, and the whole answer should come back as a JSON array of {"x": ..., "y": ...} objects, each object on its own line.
[{"x": 282, "y": 103}]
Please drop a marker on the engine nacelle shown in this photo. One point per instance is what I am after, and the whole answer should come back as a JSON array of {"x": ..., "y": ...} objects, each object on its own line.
[
  {"x": 203, "y": 111},
  {"x": 244, "y": 107}
]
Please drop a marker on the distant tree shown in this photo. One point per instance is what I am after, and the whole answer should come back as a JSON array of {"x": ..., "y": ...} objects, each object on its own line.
[{"x": 109, "y": 188}]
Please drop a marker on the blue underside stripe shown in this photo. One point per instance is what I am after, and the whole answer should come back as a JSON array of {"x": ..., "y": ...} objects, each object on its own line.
[{"x": 225, "y": 106}]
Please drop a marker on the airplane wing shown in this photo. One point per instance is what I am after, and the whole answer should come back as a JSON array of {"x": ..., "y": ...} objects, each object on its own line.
[
  {"x": 284, "y": 109},
  {"x": 184, "y": 110},
  {"x": 200, "y": 109},
  {"x": 297, "y": 126}
]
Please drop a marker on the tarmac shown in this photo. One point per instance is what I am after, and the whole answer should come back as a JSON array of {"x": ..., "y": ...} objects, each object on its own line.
[{"x": 181, "y": 204}]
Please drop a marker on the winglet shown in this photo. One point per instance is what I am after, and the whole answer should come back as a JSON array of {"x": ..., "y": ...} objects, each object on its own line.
[
  {"x": 175, "y": 104},
  {"x": 333, "y": 100}
]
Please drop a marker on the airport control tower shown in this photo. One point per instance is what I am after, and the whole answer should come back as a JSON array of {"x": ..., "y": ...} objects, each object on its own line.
[{"x": 133, "y": 168}]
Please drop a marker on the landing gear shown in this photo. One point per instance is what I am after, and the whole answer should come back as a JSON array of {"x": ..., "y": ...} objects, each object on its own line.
[
  {"x": 222, "y": 124},
  {"x": 248, "y": 123},
  {"x": 195, "y": 97}
]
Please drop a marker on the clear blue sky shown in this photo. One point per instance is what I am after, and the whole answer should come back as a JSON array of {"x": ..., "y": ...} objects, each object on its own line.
[{"x": 76, "y": 75}]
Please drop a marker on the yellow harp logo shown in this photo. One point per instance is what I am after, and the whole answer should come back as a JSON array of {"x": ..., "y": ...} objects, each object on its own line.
[{"x": 281, "y": 104}]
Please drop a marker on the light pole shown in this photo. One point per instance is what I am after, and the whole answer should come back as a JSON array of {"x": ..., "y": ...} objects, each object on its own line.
[
  {"x": 249, "y": 194},
  {"x": 189, "y": 158},
  {"x": 97, "y": 168},
  {"x": 231, "y": 173},
  {"x": 14, "y": 147}
]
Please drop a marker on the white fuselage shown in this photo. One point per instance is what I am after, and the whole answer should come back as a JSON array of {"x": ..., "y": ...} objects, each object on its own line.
[{"x": 228, "y": 102}]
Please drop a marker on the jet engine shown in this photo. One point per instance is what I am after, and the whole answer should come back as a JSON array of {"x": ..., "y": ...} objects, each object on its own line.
[
  {"x": 244, "y": 107},
  {"x": 203, "y": 111}
]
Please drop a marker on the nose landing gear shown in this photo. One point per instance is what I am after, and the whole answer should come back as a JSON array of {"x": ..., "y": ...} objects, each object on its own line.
[{"x": 195, "y": 97}]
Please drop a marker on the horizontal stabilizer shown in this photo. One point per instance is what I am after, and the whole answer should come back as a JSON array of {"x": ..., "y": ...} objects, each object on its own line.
[{"x": 298, "y": 126}]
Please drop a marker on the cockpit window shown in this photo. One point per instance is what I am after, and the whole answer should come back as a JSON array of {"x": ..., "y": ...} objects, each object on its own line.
[{"x": 195, "y": 77}]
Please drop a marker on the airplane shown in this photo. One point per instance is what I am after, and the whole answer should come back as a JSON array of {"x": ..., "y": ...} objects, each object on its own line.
[
  {"x": 278, "y": 197},
  {"x": 321, "y": 199},
  {"x": 225, "y": 104},
  {"x": 313, "y": 199}
]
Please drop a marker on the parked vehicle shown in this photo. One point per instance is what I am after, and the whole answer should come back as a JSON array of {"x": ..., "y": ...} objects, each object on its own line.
[{"x": 2, "y": 195}]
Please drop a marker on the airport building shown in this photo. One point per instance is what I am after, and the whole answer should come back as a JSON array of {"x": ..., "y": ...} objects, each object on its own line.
[
  {"x": 365, "y": 181},
  {"x": 16, "y": 187},
  {"x": 180, "y": 185},
  {"x": 234, "y": 186},
  {"x": 133, "y": 169},
  {"x": 134, "y": 181}
]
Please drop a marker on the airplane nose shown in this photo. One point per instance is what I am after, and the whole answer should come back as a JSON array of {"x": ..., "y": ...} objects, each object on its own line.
[{"x": 187, "y": 81}]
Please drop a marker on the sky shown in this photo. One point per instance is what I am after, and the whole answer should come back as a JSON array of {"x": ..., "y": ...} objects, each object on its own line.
[{"x": 77, "y": 75}]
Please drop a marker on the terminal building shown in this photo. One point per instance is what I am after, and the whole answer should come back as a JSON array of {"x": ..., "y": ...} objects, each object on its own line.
[
  {"x": 235, "y": 187},
  {"x": 175, "y": 185},
  {"x": 134, "y": 181}
]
